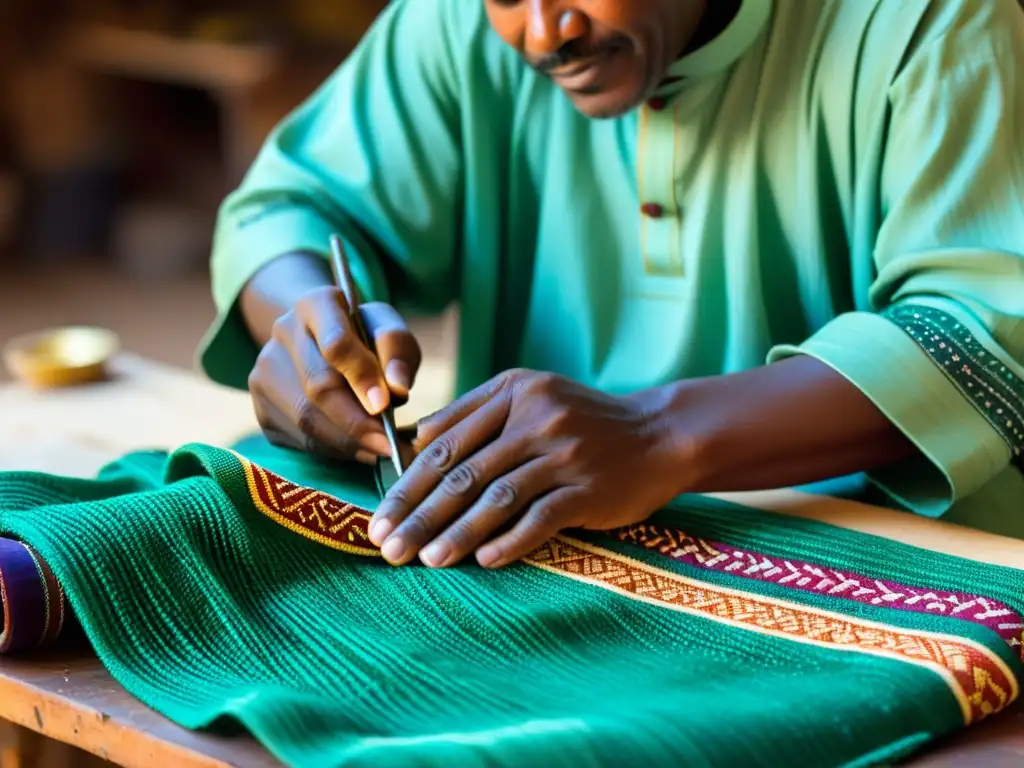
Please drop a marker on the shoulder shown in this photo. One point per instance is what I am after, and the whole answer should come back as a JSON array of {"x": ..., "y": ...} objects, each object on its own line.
[
  {"x": 449, "y": 20},
  {"x": 892, "y": 47},
  {"x": 944, "y": 19},
  {"x": 456, "y": 31},
  {"x": 956, "y": 33}
]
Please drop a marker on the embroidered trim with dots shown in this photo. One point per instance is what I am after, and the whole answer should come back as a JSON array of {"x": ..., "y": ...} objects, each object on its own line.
[{"x": 995, "y": 390}]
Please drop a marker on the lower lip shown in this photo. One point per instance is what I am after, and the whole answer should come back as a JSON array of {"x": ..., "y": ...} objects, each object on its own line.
[{"x": 585, "y": 78}]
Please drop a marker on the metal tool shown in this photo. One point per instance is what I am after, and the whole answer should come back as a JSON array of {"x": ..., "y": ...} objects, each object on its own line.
[{"x": 343, "y": 276}]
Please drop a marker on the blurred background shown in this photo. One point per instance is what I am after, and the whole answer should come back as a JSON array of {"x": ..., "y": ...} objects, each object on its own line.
[{"x": 123, "y": 123}]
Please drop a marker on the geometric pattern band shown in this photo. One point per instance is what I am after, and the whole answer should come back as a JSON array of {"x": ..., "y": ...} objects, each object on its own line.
[
  {"x": 823, "y": 580},
  {"x": 977, "y": 677},
  {"x": 314, "y": 514},
  {"x": 980, "y": 681},
  {"x": 330, "y": 521}
]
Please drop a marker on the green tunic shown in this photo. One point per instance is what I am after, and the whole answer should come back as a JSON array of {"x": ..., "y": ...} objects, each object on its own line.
[{"x": 843, "y": 179}]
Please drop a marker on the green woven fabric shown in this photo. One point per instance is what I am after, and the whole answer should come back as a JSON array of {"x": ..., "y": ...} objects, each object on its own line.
[{"x": 207, "y": 609}]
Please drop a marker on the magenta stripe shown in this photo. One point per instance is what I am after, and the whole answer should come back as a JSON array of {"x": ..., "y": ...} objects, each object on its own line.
[{"x": 827, "y": 581}]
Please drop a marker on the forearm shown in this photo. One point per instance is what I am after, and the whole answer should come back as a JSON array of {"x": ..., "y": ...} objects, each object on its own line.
[
  {"x": 277, "y": 287},
  {"x": 787, "y": 424}
]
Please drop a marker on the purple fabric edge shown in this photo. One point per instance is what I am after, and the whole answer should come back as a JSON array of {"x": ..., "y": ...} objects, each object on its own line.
[{"x": 24, "y": 603}]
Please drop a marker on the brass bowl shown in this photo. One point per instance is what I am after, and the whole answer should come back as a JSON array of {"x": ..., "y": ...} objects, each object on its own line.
[{"x": 61, "y": 357}]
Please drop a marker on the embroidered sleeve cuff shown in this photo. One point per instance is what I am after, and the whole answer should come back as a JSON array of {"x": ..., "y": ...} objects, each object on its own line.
[
  {"x": 913, "y": 374},
  {"x": 228, "y": 352}
]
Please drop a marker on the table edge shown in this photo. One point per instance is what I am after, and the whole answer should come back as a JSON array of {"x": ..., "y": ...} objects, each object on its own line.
[{"x": 91, "y": 730}]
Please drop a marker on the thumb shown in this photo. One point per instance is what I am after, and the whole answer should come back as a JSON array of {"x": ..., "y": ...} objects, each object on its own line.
[{"x": 399, "y": 352}]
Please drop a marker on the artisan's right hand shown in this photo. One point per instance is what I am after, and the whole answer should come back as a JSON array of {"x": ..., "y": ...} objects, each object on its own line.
[{"x": 316, "y": 387}]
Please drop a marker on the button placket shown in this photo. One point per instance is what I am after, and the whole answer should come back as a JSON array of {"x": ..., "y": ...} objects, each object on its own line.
[{"x": 656, "y": 170}]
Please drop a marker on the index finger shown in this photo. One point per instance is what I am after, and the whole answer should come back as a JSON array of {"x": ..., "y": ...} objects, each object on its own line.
[
  {"x": 395, "y": 346},
  {"x": 327, "y": 317},
  {"x": 546, "y": 518},
  {"x": 429, "y": 428}
]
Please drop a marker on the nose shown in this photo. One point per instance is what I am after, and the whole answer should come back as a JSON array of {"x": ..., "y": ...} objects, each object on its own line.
[{"x": 550, "y": 26}]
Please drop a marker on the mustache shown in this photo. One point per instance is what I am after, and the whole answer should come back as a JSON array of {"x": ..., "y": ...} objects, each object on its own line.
[{"x": 573, "y": 52}]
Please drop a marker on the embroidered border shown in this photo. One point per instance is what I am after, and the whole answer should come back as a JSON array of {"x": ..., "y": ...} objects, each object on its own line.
[
  {"x": 979, "y": 680},
  {"x": 330, "y": 521},
  {"x": 314, "y": 514},
  {"x": 992, "y": 387},
  {"x": 823, "y": 580}
]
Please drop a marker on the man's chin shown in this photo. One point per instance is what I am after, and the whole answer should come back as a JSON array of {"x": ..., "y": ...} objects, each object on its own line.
[{"x": 605, "y": 104}]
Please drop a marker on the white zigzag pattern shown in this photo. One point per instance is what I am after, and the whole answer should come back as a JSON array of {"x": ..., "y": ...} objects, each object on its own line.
[{"x": 837, "y": 583}]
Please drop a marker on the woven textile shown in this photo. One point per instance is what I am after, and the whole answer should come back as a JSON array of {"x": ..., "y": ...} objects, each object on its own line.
[{"x": 220, "y": 584}]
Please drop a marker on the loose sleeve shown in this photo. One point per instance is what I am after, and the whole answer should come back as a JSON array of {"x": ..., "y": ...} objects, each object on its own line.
[
  {"x": 943, "y": 354},
  {"x": 373, "y": 156}
]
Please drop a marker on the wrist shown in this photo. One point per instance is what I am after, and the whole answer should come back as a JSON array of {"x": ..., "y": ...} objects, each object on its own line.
[
  {"x": 782, "y": 425},
  {"x": 683, "y": 435},
  {"x": 277, "y": 287}
]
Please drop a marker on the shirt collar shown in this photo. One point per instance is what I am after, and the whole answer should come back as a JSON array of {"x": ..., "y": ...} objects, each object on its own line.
[{"x": 722, "y": 52}]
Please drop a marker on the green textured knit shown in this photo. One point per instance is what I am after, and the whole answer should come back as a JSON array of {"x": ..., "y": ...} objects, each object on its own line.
[{"x": 205, "y": 608}]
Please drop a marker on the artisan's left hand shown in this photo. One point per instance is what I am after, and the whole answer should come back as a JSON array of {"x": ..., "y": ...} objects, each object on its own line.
[{"x": 533, "y": 451}]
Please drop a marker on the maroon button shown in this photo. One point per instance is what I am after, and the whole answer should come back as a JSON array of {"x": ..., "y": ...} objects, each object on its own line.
[
  {"x": 657, "y": 104},
  {"x": 653, "y": 210}
]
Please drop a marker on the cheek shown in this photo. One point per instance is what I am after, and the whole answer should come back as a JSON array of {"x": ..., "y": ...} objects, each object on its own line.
[{"x": 507, "y": 24}]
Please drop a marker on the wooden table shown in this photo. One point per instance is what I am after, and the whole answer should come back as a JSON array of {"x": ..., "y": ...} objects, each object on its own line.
[{"x": 70, "y": 698}]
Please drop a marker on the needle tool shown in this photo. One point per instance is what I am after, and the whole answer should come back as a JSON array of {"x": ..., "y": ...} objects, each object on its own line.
[{"x": 343, "y": 277}]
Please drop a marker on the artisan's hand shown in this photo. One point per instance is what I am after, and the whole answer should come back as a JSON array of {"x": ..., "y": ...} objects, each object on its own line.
[
  {"x": 530, "y": 450},
  {"x": 315, "y": 385}
]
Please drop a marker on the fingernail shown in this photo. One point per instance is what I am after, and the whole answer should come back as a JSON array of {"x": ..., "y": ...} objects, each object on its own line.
[
  {"x": 377, "y": 398},
  {"x": 365, "y": 457},
  {"x": 488, "y": 555},
  {"x": 379, "y": 530},
  {"x": 418, "y": 441},
  {"x": 397, "y": 374},
  {"x": 393, "y": 550},
  {"x": 435, "y": 554},
  {"x": 377, "y": 443}
]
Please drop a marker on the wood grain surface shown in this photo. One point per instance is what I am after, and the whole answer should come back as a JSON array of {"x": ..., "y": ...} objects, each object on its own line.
[{"x": 67, "y": 695}]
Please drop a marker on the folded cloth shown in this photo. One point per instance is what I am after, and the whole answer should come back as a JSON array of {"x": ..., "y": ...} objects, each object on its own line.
[{"x": 240, "y": 584}]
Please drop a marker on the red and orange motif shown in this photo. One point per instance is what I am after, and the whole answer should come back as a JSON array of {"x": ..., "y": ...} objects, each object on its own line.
[
  {"x": 314, "y": 514},
  {"x": 821, "y": 579},
  {"x": 977, "y": 677},
  {"x": 981, "y": 682}
]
